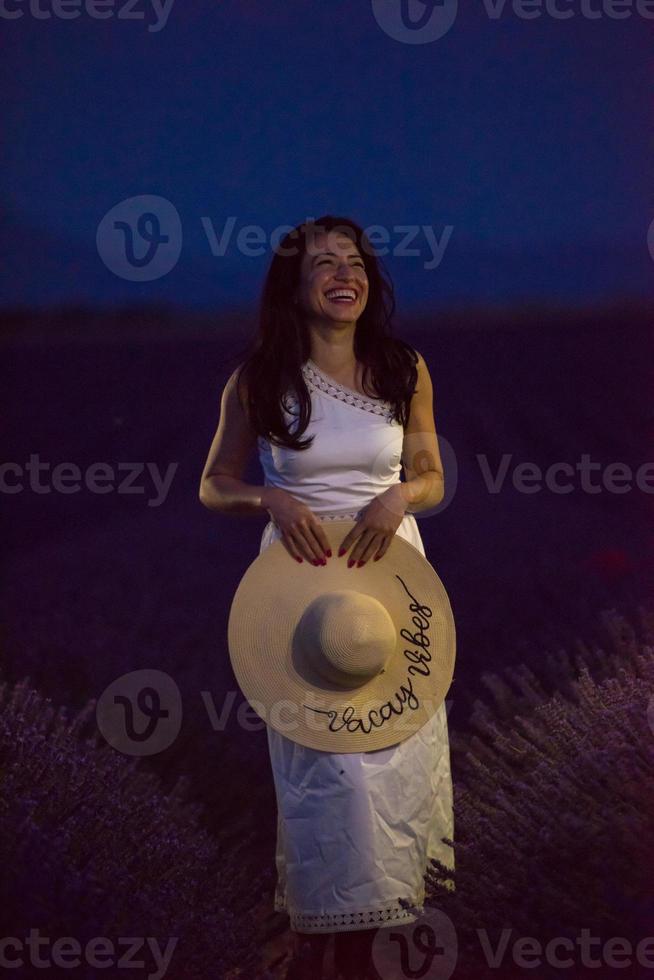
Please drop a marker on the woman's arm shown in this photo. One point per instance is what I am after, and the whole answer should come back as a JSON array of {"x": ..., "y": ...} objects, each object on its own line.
[
  {"x": 222, "y": 489},
  {"x": 221, "y": 486},
  {"x": 424, "y": 486}
]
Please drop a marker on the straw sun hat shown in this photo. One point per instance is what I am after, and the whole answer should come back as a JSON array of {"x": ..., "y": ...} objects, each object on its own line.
[{"x": 338, "y": 659}]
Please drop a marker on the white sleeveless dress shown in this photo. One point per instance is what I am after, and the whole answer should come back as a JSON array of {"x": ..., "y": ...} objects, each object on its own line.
[{"x": 355, "y": 831}]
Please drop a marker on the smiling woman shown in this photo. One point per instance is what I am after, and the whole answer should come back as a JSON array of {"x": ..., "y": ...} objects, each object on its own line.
[{"x": 354, "y": 843}]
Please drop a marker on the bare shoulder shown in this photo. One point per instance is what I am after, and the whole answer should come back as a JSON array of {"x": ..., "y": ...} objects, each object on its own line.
[
  {"x": 236, "y": 389},
  {"x": 421, "y": 364},
  {"x": 234, "y": 438},
  {"x": 234, "y": 407},
  {"x": 424, "y": 377}
]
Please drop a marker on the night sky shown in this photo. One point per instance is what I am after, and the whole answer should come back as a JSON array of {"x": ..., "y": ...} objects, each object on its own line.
[{"x": 529, "y": 138}]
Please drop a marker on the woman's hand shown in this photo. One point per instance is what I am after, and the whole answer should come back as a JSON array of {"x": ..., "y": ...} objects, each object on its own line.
[
  {"x": 302, "y": 533},
  {"x": 374, "y": 530}
]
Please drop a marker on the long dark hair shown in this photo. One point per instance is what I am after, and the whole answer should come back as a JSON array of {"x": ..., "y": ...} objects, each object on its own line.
[{"x": 282, "y": 342}]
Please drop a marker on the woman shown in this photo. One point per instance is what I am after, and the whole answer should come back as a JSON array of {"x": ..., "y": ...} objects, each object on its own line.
[{"x": 325, "y": 364}]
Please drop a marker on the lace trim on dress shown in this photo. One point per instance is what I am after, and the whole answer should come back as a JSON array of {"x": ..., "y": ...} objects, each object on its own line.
[
  {"x": 323, "y": 382},
  {"x": 338, "y": 516},
  {"x": 333, "y": 921},
  {"x": 351, "y": 515}
]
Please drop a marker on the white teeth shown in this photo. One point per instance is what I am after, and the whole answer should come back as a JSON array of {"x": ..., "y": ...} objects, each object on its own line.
[{"x": 341, "y": 294}]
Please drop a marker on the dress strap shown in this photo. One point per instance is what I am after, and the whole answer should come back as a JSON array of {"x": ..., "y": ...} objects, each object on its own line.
[{"x": 320, "y": 381}]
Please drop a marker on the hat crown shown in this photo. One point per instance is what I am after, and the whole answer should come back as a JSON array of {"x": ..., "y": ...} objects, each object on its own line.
[{"x": 347, "y": 636}]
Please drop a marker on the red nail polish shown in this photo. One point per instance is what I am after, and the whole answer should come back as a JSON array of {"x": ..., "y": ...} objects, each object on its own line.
[
  {"x": 341, "y": 552},
  {"x": 350, "y": 562},
  {"x": 377, "y": 557},
  {"x": 296, "y": 558},
  {"x": 314, "y": 561},
  {"x": 360, "y": 563},
  {"x": 329, "y": 553}
]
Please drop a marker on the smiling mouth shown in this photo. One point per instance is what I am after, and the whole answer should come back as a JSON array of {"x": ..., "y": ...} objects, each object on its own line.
[{"x": 341, "y": 296}]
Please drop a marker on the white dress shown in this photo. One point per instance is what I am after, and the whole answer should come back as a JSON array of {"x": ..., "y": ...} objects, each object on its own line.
[{"x": 355, "y": 831}]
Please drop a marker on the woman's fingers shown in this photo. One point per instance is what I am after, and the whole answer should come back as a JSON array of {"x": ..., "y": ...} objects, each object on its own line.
[
  {"x": 368, "y": 543},
  {"x": 385, "y": 545},
  {"x": 351, "y": 537},
  {"x": 307, "y": 544},
  {"x": 290, "y": 546},
  {"x": 366, "y": 546},
  {"x": 312, "y": 543},
  {"x": 321, "y": 539}
]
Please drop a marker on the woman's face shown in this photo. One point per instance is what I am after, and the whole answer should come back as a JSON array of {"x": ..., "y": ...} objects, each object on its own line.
[{"x": 333, "y": 281}]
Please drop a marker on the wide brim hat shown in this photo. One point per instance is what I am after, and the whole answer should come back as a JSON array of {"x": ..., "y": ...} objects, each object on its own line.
[{"x": 338, "y": 659}]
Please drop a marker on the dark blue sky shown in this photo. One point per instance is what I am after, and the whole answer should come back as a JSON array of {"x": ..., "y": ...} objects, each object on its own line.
[{"x": 530, "y": 139}]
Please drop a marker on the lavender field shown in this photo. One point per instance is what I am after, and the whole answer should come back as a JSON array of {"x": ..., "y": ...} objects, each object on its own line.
[{"x": 96, "y": 585}]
